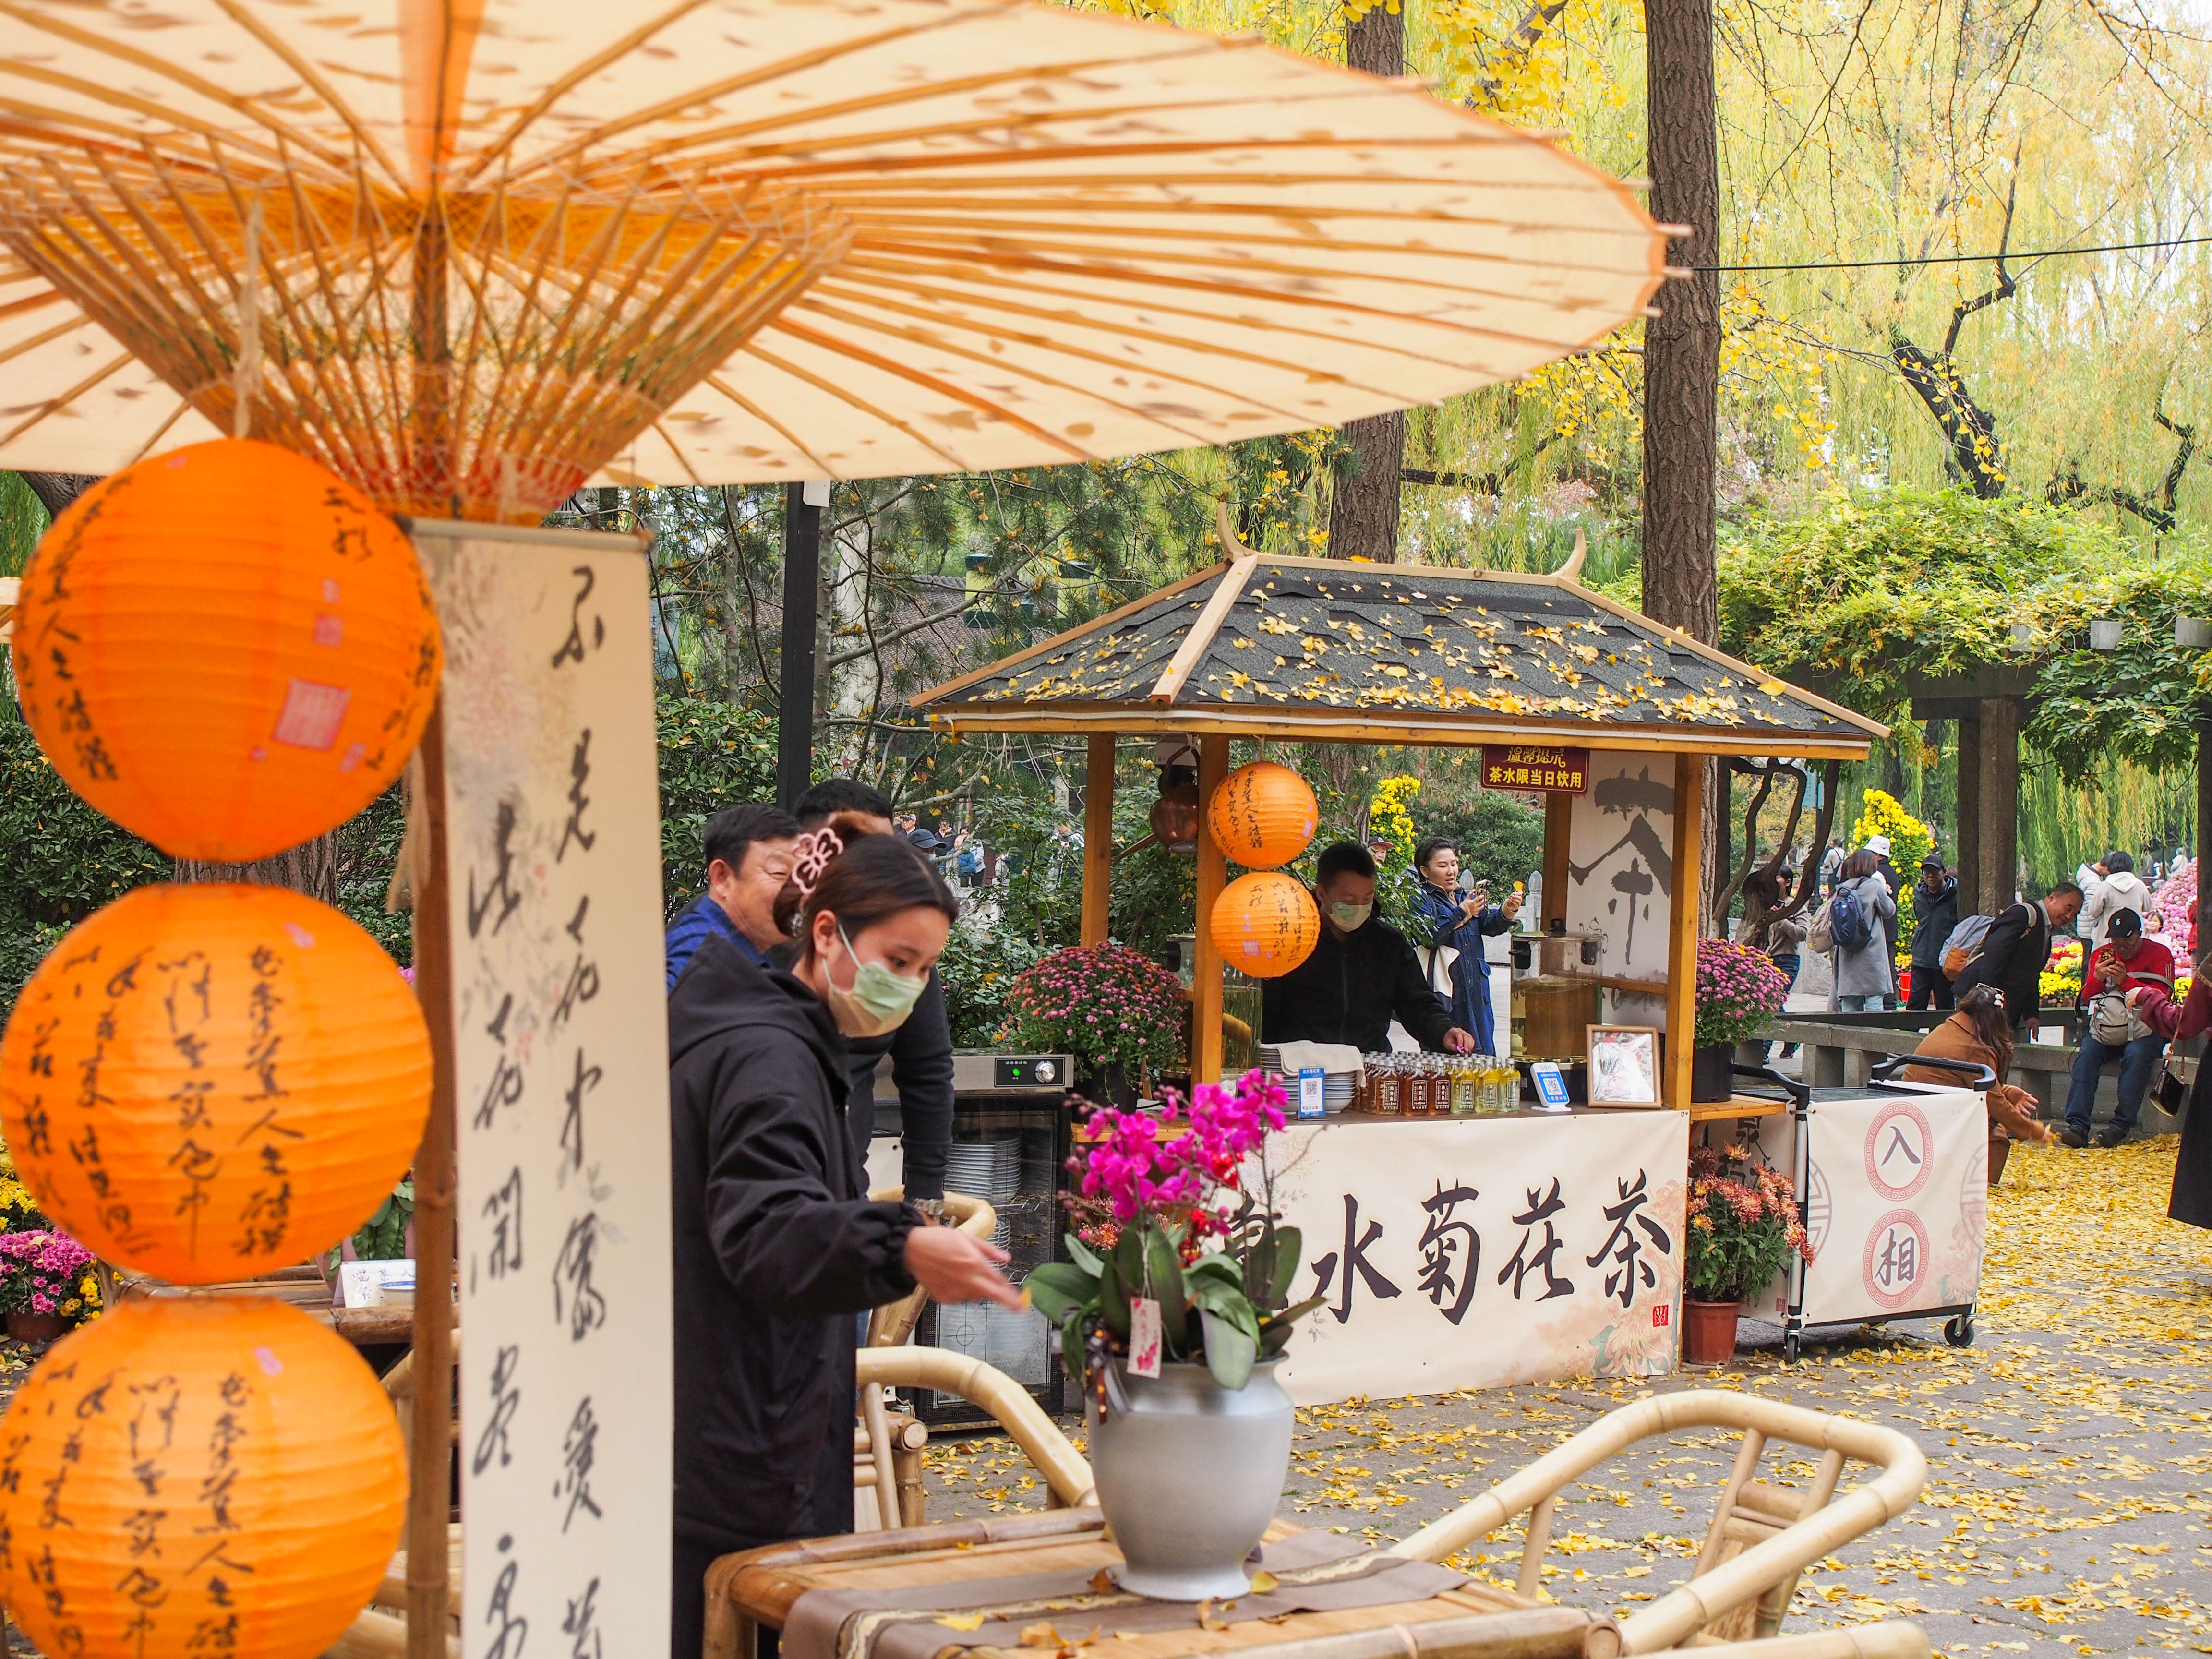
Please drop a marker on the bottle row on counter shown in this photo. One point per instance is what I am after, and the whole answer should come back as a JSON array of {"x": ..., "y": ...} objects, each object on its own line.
[{"x": 1437, "y": 1085}]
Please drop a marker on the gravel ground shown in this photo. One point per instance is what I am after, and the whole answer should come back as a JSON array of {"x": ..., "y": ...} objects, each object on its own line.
[{"x": 2069, "y": 1449}]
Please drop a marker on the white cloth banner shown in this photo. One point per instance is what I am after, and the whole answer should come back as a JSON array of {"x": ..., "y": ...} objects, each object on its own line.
[
  {"x": 1474, "y": 1253},
  {"x": 553, "y": 843},
  {"x": 1895, "y": 1200}
]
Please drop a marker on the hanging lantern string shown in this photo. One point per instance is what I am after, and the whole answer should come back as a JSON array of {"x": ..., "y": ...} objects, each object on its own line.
[{"x": 246, "y": 374}]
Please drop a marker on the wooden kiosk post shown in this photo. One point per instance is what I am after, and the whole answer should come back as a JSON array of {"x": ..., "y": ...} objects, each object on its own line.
[
  {"x": 1682, "y": 908},
  {"x": 1206, "y": 959},
  {"x": 1098, "y": 836}
]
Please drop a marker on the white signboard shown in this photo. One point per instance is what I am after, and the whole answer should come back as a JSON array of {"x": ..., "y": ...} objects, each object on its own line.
[
  {"x": 1621, "y": 873},
  {"x": 1476, "y": 1254},
  {"x": 1895, "y": 1200},
  {"x": 553, "y": 842}
]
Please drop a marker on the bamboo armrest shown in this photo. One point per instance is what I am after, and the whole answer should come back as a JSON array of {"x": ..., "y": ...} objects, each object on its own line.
[
  {"x": 893, "y": 1323},
  {"x": 1677, "y": 1615},
  {"x": 1063, "y": 1468}
]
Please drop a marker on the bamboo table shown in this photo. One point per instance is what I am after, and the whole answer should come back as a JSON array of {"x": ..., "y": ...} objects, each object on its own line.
[{"x": 1478, "y": 1621}]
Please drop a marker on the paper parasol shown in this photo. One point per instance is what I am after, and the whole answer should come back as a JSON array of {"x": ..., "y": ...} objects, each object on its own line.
[{"x": 472, "y": 253}]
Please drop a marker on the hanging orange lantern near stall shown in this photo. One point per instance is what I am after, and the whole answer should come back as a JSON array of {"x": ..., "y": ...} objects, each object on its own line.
[
  {"x": 210, "y": 1082},
  {"x": 1265, "y": 923},
  {"x": 184, "y": 1477},
  {"x": 1263, "y": 816},
  {"x": 226, "y": 649}
]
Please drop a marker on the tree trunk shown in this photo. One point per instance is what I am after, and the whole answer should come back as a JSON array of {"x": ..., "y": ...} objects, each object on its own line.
[
  {"x": 310, "y": 868},
  {"x": 56, "y": 490},
  {"x": 1682, "y": 344},
  {"x": 1363, "y": 510}
]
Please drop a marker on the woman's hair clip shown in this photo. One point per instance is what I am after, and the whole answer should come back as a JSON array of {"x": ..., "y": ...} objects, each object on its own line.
[{"x": 815, "y": 852}]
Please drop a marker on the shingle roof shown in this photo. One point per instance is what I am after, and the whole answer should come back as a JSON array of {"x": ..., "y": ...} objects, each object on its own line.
[{"x": 1309, "y": 641}]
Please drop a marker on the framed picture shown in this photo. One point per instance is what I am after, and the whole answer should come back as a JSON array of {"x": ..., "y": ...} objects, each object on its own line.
[{"x": 1624, "y": 1066}]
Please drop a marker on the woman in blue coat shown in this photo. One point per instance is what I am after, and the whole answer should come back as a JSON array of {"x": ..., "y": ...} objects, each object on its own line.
[{"x": 1448, "y": 921}]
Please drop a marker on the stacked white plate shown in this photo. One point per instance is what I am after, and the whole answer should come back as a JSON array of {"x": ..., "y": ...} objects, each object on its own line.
[
  {"x": 1337, "y": 1087},
  {"x": 985, "y": 1169}
]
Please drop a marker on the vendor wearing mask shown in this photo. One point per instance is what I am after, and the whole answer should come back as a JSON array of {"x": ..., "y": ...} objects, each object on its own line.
[
  {"x": 776, "y": 1244},
  {"x": 1362, "y": 973}
]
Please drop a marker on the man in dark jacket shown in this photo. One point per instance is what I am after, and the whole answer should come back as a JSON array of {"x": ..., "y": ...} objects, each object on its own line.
[
  {"x": 920, "y": 1049},
  {"x": 2016, "y": 948},
  {"x": 1934, "y": 913},
  {"x": 1361, "y": 973},
  {"x": 773, "y": 1259}
]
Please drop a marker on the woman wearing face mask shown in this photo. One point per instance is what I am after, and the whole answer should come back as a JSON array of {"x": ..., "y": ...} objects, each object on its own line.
[{"x": 777, "y": 1245}]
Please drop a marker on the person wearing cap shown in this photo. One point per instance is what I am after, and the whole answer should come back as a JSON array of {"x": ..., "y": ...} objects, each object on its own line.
[
  {"x": 2136, "y": 969},
  {"x": 1934, "y": 913}
]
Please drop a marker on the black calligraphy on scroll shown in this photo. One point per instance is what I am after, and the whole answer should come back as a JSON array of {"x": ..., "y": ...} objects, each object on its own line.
[
  {"x": 1624, "y": 1246},
  {"x": 1527, "y": 1260},
  {"x": 1354, "y": 1262},
  {"x": 1451, "y": 1251}
]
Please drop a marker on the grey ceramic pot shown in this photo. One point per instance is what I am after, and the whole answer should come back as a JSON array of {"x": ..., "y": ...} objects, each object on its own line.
[{"x": 1190, "y": 1474}]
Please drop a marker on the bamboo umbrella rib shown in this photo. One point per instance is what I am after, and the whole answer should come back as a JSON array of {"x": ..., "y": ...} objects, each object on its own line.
[
  {"x": 692, "y": 97},
  {"x": 976, "y": 401},
  {"x": 160, "y": 432},
  {"x": 818, "y": 113},
  {"x": 275, "y": 45},
  {"x": 1117, "y": 210},
  {"x": 997, "y": 128},
  {"x": 39, "y": 302},
  {"x": 768, "y": 420},
  {"x": 37, "y": 340},
  {"x": 922, "y": 337},
  {"x": 67, "y": 398},
  {"x": 855, "y": 266},
  {"x": 40, "y": 123},
  {"x": 1035, "y": 262},
  {"x": 95, "y": 91},
  {"x": 167, "y": 69},
  {"x": 861, "y": 404},
  {"x": 676, "y": 450},
  {"x": 813, "y": 300}
]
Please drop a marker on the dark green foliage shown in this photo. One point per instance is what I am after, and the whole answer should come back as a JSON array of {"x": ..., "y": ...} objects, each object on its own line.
[
  {"x": 1500, "y": 836},
  {"x": 23, "y": 521},
  {"x": 712, "y": 755},
  {"x": 366, "y": 850},
  {"x": 977, "y": 969},
  {"x": 59, "y": 860}
]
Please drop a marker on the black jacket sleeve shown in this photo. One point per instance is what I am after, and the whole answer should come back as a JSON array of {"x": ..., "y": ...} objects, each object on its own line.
[
  {"x": 922, "y": 1065},
  {"x": 1998, "y": 945},
  {"x": 1413, "y": 1003},
  {"x": 785, "y": 1242}
]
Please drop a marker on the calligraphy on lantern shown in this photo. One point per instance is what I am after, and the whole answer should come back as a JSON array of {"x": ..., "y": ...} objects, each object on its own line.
[
  {"x": 1545, "y": 770},
  {"x": 1478, "y": 1255},
  {"x": 554, "y": 903}
]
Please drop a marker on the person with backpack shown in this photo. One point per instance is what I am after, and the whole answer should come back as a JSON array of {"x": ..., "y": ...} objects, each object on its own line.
[
  {"x": 1934, "y": 913},
  {"x": 2119, "y": 888},
  {"x": 1861, "y": 919},
  {"x": 2016, "y": 948},
  {"x": 2121, "y": 973}
]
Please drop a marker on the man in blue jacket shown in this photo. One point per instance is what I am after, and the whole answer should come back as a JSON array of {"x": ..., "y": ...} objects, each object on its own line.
[{"x": 749, "y": 852}]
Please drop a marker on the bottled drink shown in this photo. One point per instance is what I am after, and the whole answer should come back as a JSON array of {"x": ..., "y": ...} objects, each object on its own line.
[
  {"x": 1389, "y": 1087},
  {"x": 1465, "y": 1085}
]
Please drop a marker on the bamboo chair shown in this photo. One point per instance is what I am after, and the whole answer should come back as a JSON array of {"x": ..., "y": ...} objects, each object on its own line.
[
  {"x": 1762, "y": 1536},
  {"x": 887, "y": 1456}
]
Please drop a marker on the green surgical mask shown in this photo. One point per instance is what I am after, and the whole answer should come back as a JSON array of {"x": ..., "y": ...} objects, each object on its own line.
[
  {"x": 879, "y": 1000},
  {"x": 1351, "y": 917}
]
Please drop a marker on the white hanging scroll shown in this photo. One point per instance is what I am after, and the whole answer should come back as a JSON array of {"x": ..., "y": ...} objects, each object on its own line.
[
  {"x": 1620, "y": 875},
  {"x": 553, "y": 842},
  {"x": 1477, "y": 1253}
]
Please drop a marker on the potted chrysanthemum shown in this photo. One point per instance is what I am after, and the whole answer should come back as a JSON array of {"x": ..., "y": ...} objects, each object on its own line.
[
  {"x": 1120, "y": 1013},
  {"x": 1740, "y": 990},
  {"x": 48, "y": 1284},
  {"x": 1744, "y": 1226}
]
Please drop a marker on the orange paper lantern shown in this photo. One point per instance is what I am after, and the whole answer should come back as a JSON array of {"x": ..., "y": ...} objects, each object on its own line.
[
  {"x": 1265, "y": 923},
  {"x": 207, "y": 1082},
  {"x": 226, "y": 649},
  {"x": 1262, "y": 815},
  {"x": 183, "y": 1478}
]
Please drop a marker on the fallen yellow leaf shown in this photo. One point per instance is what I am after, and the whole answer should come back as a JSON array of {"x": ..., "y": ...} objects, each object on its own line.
[{"x": 962, "y": 1621}]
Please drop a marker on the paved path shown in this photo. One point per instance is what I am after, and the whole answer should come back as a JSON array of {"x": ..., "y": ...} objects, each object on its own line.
[{"x": 2068, "y": 1504}]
